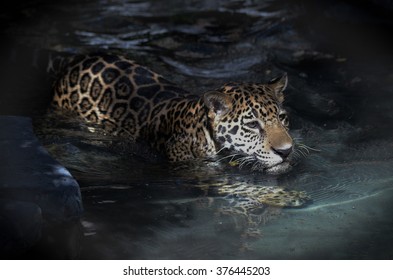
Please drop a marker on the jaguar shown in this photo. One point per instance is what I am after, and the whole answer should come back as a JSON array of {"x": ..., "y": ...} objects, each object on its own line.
[{"x": 245, "y": 122}]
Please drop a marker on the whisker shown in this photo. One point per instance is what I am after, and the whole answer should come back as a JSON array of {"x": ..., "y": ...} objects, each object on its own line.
[
  {"x": 256, "y": 166},
  {"x": 240, "y": 159},
  {"x": 246, "y": 161},
  {"x": 296, "y": 154},
  {"x": 302, "y": 153},
  {"x": 305, "y": 150},
  {"x": 307, "y": 147},
  {"x": 296, "y": 139},
  {"x": 220, "y": 150},
  {"x": 312, "y": 149},
  {"x": 231, "y": 155},
  {"x": 301, "y": 149}
]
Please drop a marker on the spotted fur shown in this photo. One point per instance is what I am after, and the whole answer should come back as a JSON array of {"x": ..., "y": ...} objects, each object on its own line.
[{"x": 243, "y": 120}]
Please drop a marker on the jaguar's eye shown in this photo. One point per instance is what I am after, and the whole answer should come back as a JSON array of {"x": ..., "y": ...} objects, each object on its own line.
[
  {"x": 283, "y": 118},
  {"x": 252, "y": 125}
]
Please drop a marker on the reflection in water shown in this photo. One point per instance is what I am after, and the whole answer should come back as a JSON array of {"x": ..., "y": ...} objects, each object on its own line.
[{"x": 139, "y": 206}]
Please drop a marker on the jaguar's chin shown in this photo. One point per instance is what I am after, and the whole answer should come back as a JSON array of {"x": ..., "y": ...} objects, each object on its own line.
[{"x": 278, "y": 168}]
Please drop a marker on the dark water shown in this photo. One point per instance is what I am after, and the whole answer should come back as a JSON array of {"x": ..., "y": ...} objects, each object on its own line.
[{"x": 339, "y": 97}]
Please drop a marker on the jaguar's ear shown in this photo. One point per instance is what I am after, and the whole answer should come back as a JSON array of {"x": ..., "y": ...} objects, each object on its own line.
[
  {"x": 278, "y": 85},
  {"x": 218, "y": 103}
]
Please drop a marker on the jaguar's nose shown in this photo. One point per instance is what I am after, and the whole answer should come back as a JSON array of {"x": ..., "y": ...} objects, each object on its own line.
[{"x": 283, "y": 152}]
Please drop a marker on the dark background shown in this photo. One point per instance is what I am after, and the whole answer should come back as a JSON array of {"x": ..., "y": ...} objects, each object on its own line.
[{"x": 342, "y": 76}]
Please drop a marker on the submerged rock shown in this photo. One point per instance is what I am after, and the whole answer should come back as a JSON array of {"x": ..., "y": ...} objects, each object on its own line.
[
  {"x": 21, "y": 223},
  {"x": 35, "y": 189}
]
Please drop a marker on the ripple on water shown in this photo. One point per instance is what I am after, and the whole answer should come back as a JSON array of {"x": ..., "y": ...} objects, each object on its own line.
[{"x": 344, "y": 171}]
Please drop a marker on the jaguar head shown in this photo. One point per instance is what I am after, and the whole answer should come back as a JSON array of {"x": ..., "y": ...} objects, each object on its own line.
[{"x": 249, "y": 122}]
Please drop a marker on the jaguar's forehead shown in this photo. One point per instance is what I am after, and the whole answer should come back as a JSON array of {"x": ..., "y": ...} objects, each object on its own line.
[{"x": 253, "y": 100}]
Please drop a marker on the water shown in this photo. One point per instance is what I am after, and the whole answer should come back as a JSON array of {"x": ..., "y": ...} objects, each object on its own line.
[{"x": 339, "y": 97}]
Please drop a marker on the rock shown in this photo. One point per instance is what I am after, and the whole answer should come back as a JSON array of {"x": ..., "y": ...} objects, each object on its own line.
[
  {"x": 34, "y": 188},
  {"x": 21, "y": 223}
]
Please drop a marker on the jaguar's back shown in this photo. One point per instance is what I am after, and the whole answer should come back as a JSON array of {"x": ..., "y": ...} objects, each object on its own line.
[{"x": 113, "y": 91}]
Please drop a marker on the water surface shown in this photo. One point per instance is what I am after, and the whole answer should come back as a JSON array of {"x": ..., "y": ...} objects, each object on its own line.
[{"x": 340, "y": 101}]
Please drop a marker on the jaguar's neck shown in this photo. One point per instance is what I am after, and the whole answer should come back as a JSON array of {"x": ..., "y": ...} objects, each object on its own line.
[{"x": 183, "y": 124}]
